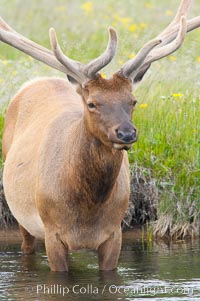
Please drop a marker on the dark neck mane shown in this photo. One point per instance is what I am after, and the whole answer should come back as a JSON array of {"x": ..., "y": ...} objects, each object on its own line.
[{"x": 96, "y": 168}]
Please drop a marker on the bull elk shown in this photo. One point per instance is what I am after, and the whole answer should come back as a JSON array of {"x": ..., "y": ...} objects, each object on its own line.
[{"x": 66, "y": 174}]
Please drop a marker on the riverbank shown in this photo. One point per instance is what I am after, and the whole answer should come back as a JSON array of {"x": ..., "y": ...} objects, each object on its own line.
[{"x": 12, "y": 234}]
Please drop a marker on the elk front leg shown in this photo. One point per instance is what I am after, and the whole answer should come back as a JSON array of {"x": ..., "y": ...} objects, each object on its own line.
[
  {"x": 57, "y": 252},
  {"x": 108, "y": 252},
  {"x": 28, "y": 242}
]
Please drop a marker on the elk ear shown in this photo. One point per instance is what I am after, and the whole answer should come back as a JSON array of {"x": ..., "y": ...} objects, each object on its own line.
[
  {"x": 139, "y": 77},
  {"x": 136, "y": 81},
  {"x": 72, "y": 80}
]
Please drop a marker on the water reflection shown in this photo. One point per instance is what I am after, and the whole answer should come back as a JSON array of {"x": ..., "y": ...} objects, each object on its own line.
[{"x": 161, "y": 271}]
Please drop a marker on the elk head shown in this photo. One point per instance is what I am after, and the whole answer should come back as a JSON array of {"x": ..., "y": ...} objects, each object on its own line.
[{"x": 108, "y": 103}]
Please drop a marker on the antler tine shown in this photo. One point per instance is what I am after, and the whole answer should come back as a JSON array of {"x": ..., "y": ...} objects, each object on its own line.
[
  {"x": 57, "y": 59},
  {"x": 172, "y": 38},
  {"x": 170, "y": 32},
  {"x": 193, "y": 24},
  {"x": 171, "y": 47},
  {"x": 183, "y": 9},
  {"x": 97, "y": 64},
  {"x": 166, "y": 48},
  {"x": 72, "y": 67},
  {"x": 129, "y": 67},
  {"x": 11, "y": 37},
  {"x": 5, "y": 26},
  {"x": 80, "y": 71}
]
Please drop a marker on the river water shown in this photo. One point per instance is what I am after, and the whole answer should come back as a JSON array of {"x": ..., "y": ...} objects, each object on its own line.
[{"x": 147, "y": 271}]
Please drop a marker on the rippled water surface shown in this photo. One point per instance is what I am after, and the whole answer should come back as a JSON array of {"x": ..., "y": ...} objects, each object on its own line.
[{"x": 157, "y": 271}]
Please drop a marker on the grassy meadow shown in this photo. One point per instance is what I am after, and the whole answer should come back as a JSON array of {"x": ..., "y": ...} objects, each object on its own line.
[{"x": 168, "y": 109}]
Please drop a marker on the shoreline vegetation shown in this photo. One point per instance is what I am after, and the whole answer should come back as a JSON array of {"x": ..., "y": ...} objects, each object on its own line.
[{"x": 165, "y": 162}]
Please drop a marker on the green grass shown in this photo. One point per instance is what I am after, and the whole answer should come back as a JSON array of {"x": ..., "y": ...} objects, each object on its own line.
[{"x": 168, "y": 124}]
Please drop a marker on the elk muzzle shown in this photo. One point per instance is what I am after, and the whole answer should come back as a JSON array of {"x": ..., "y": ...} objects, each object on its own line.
[
  {"x": 123, "y": 136},
  {"x": 126, "y": 136}
]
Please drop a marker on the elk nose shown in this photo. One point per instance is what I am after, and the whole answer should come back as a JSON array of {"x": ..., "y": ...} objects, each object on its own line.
[{"x": 128, "y": 136}]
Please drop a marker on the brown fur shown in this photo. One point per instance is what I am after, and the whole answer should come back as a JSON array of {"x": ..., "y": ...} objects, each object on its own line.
[{"x": 63, "y": 179}]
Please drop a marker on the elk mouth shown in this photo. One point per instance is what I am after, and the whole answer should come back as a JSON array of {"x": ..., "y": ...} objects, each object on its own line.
[{"x": 122, "y": 146}]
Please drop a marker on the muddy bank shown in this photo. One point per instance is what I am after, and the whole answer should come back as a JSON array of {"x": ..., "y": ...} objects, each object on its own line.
[
  {"x": 10, "y": 235},
  {"x": 7, "y": 220},
  {"x": 13, "y": 235}
]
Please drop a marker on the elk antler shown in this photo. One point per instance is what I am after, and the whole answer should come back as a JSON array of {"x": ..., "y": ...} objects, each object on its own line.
[
  {"x": 11, "y": 37},
  {"x": 77, "y": 70},
  {"x": 171, "y": 39},
  {"x": 57, "y": 59}
]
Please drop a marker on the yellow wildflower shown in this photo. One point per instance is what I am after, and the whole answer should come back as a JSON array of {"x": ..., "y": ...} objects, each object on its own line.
[
  {"x": 169, "y": 12},
  {"x": 14, "y": 72},
  {"x": 198, "y": 59},
  {"x": 5, "y": 62},
  {"x": 148, "y": 5},
  {"x": 120, "y": 62},
  {"x": 114, "y": 24},
  {"x": 103, "y": 75},
  {"x": 1, "y": 80},
  {"x": 123, "y": 21},
  {"x": 117, "y": 17},
  {"x": 143, "y": 105},
  {"x": 132, "y": 55},
  {"x": 133, "y": 27},
  {"x": 172, "y": 58},
  {"x": 177, "y": 95},
  {"x": 143, "y": 25},
  {"x": 87, "y": 7}
]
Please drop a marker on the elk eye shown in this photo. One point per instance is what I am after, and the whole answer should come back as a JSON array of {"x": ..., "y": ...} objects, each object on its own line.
[{"x": 91, "y": 105}]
